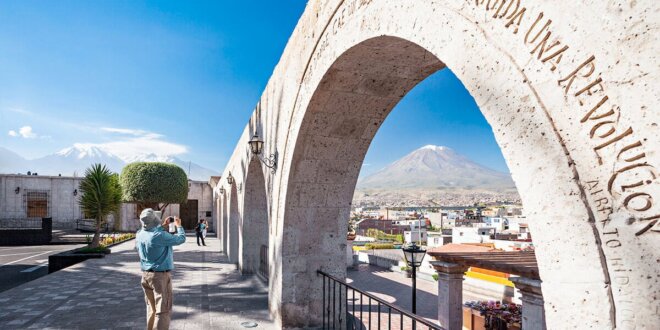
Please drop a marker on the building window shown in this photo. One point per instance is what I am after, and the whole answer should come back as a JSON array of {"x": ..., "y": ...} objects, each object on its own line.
[{"x": 37, "y": 203}]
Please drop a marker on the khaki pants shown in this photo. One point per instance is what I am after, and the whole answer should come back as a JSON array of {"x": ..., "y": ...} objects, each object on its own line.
[{"x": 158, "y": 296}]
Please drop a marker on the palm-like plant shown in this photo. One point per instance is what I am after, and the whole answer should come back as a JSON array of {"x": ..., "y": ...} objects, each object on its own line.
[{"x": 101, "y": 196}]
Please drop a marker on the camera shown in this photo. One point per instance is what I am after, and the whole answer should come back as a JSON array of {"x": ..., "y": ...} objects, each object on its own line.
[{"x": 171, "y": 219}]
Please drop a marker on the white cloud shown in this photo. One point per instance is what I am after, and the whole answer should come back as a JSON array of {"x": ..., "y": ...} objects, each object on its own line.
[
  {"x": 21, "y": 111},
  {"x": 132, "y": 143},
  {"x": 129, "y": 131},
  {"x": 24, "y": 132}
]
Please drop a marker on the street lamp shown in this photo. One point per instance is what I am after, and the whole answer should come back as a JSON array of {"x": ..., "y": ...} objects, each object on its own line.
[
  {"x": 230, "y": 179},
  {"x": 222, "y": 190},
  {"x": 414, "y": 256},
  {"x": 257, "y": 147}
]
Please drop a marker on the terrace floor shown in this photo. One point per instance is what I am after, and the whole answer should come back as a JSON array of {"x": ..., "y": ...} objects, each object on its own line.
[{"x": 209, "y": 293}]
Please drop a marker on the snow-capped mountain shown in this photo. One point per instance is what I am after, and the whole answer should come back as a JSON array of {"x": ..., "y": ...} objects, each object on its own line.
[
  {"x": 74, "y": 160},
  {"x": 10, "y": 159},
  {"x": 436, "y": 167}
]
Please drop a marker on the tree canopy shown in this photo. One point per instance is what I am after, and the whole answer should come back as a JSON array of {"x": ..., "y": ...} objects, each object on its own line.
[{"x": 153, "y": 183}]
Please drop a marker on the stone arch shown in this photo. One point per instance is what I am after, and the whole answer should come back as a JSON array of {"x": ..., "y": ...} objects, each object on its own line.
[
  {"x": 233, "y": 222},
  {"x": 574, "y": 125},
  {"x": 254, "y": 225}
]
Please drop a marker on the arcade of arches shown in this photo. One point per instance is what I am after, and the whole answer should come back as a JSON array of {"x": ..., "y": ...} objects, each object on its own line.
[{"x": 567, "y": 88}]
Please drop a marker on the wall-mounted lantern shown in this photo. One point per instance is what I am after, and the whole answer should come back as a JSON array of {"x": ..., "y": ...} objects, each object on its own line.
[
  {"x": 222, "y": 190},
  {"x": 257, "y": 147},
  {"x": 230, "y": 179},
  {"x": 75, "y": 192},
  {"x": 17, "y": 190}
]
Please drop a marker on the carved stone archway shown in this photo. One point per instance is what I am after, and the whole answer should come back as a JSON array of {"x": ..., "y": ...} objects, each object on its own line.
[{"x": 569, "y": 99}]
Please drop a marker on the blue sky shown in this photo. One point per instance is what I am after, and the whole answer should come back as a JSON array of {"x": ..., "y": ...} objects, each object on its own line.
[{"x": 182, "y": 77}]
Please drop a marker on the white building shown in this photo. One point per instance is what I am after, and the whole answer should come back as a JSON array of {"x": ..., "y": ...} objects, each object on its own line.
[
  {"x": 436, "y": 238},
  {"x": 30, "y": 197},
  {"x": 416, "y": 236},
  {"x": 461, "y": 235}
]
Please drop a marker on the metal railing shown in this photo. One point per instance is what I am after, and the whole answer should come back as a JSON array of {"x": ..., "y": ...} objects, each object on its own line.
[
  {"x": 263, "y": 261},
  {"x": 347, "y": 307}
]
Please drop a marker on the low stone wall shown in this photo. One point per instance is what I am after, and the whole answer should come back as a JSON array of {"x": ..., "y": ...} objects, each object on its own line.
[
  {"x": 20, "y": 224},
  {"x": 27, "y": 236}
]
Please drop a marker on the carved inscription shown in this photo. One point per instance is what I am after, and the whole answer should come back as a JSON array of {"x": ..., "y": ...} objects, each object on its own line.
[{"x": 629, "y": 185}]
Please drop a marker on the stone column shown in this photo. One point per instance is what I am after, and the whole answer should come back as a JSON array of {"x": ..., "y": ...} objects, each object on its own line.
[
  {"x": 349, "y": 251},
  {"x": 450, "y": 294},
  {"x": 533, "y": 314}
]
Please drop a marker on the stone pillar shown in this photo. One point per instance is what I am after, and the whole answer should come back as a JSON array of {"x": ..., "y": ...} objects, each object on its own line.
[
  {"x": 450, "y": 294},
  {"x": 349, "y": 251},
  {"x": 533, "y": 314}
]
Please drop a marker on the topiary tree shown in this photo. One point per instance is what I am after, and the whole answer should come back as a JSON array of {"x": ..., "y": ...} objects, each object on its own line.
[
  {"x": 100, "y": 196},
  {"x": 153, "y": 184}
]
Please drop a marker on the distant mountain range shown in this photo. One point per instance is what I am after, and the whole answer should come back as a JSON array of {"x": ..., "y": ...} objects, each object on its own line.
[
  {"x": 431, "y": 171},
  {"x": 74, "y": 160}
]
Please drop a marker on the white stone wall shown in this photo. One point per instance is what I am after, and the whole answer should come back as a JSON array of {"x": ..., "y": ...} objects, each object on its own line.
[
  {"x": 573, "y": 114},
  {"x": 64, "y": 206}
]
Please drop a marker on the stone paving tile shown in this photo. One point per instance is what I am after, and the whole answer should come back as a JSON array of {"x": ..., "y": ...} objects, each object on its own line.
[{"x": 209, "y": 293}]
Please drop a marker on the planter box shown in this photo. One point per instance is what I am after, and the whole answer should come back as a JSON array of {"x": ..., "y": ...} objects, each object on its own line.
[
  {"x": 472, "y": 320},
  {"x": 69, "y": 258},
  {"x": 65, "y": 259}
]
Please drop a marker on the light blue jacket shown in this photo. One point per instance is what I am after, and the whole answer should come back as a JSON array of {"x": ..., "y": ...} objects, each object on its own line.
[{"x": 155, "y": 247}]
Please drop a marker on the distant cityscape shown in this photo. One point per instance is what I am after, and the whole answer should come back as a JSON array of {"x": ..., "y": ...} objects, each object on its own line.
[{"x": 452, "y": 199}]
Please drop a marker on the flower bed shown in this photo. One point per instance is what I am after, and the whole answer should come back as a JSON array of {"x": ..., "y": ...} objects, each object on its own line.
[
  {"x": 497, "y": 315},
  {"x": 115, "y": 239}
]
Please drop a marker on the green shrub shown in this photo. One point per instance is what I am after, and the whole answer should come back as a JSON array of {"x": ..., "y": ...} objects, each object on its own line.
[
  {"x": 435, "y": 277},
  {"x": 378, "y": 246},
  {"x": 150, "y": 183},
  {"x": 380, "y": 235}
]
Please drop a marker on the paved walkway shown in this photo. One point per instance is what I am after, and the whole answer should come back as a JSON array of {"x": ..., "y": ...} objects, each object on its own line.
[
  {"x": 21, "y": 264},
  {"x": 209, "y": 293}
]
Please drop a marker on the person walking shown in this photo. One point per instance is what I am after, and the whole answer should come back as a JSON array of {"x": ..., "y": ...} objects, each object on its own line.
[
  {"x": 154, "y": 245},
  {"x": 199, "y": 229},
  {"x": 206, "y": 228}
]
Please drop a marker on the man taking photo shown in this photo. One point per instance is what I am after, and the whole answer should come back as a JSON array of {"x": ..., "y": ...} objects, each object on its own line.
[{"x": 154, "y": 245}]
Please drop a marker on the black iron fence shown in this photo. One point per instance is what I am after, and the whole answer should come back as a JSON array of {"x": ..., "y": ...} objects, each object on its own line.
[
  {"x": 263, "y": 261},
  {"x": 347, "y": 307}
]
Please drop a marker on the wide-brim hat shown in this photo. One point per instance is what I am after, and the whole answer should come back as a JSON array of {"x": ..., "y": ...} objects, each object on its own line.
[{"x": 150, "y": 218}]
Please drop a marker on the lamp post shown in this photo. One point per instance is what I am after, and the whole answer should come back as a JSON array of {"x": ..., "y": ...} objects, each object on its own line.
[
  {"x": 414, "y": 255},
  {"x": 256, "y": 147}
]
